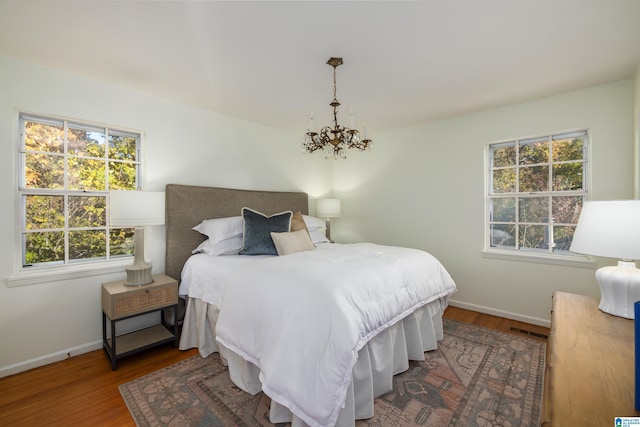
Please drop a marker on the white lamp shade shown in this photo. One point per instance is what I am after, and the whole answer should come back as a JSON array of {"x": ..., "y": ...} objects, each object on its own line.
[
  {"x": 609, "y": 229},
  {"x": 136, "y": 208},
  {"x": 328, "y": 208}
]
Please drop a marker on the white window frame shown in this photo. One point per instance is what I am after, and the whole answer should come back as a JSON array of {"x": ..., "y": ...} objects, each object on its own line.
[
  {"x": 28, "y": 275},
  {"x": 548, "y": 256}
]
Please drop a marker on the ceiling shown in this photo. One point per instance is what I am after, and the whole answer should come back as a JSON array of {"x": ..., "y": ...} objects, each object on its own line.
[{"x": 405, "y": 63}]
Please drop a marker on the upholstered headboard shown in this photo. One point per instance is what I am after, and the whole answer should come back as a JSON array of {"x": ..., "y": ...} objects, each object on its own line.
[{"x": 186, "y": 206}]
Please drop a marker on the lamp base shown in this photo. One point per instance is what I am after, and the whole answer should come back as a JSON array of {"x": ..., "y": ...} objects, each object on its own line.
[
  {"x": 138, "y": 275},
  {"x": 619, "y": 288}
]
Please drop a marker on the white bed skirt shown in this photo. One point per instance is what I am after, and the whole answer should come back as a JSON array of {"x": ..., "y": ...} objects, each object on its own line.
[{"x": 384, "y": 356}]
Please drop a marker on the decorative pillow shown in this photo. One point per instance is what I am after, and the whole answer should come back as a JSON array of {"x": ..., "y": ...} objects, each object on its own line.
[
  {"x": 297, "y": 222},
  {"x": 256, "y": 236},
  {"x": 219, "y": 229},
  {"x": 228, "y": 246},
  {"x": 318, "y": 237},
  {"x": 313, "y": 223},
  {"x": 291, "y": 242}
]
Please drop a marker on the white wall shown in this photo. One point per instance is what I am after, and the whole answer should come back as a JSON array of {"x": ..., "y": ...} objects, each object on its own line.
[
  {"x": 407, "y": 191},
  {"x": 43, "y": 322},
  {"x": 423, "y": 187}
]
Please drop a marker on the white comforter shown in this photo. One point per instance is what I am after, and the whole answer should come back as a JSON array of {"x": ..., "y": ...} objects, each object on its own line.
[{"x": 302, "y": 318}]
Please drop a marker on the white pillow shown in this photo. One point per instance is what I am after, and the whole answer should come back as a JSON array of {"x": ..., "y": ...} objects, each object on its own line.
[
  {"x": 318, "y": 237},
  {"x": 219, "y": 229},
  {"x": 292, "y": 241},
  {"x": 313, "y": 223},
  {"x": 229, "y": 246}
]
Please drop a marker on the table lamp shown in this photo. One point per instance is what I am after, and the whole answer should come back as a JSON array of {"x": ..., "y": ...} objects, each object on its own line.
[
  {"x": 137, "y": 209},
  {"x": 612, "y": 229},
  {"x": 327, "y": 209}
]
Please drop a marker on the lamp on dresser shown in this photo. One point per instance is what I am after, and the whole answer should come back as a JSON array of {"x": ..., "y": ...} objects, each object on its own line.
[
  {"x": 137, "y": 209},
  {"x": 612, "y": 229},
  {"x": 327, "y": 209}
]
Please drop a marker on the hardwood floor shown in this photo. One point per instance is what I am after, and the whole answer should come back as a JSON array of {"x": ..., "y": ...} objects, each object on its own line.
[
  {"x": 83, "y": 391},
  {"x": 539, "y": 333}
]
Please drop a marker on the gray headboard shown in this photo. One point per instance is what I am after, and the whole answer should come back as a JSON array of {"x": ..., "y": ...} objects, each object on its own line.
[{"x": 186, "y": 206}]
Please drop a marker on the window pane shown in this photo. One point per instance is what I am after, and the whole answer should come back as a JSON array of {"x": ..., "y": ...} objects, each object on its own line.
[
  {"x": 86, "y": 142},
  {"x": 562, "y": 237},
  {"x": 44, "y": 212},
  {"x": 122, "y": 176},
  {"x": 87, "y": 244},
  {"x": 534, "y": 179},
  {"x": 87, "y": 211},
  {"x": 533, "y": 237},
  {"x": 566, "y": 210},
  {"x": 121, "y": 241},
  {"x": 534, "y": 151},
  {"x": 86, "y": 174},
  {"x": 503, "y": 180},
  {"x": 503, "y": 210},
  {"x": 503, "y": 235},
  {"x": 44, "y": 171},
  {"x": 43, "y": 247},
  {"x": 122, "y": 148},
  {"x": 567, "y": 176},
  {"x": 570, "y": 148},
  {"x": 535, "y": 209},
  {"x": 503, "y": 155},
  {"x": 44, "y": 137}
]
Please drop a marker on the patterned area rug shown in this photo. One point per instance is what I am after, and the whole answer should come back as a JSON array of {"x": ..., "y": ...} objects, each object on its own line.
[{"x": 476, "y": 377}]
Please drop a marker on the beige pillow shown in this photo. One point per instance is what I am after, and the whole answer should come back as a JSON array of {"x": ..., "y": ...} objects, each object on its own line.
[
  {"x": 297, "y": 222},
  {"x": 291, "y": 242}
]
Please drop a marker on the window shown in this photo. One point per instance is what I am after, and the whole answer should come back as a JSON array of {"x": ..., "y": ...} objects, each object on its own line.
[
  {"x": 66, "y": 171},
  {"x": 535, "y": 191}
]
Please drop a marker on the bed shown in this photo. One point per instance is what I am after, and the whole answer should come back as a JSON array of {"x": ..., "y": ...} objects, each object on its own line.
[{"x": 322, "y": 346}]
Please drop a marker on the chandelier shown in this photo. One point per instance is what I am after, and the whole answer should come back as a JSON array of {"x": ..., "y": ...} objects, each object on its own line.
[{"x": 334, "y": 140}]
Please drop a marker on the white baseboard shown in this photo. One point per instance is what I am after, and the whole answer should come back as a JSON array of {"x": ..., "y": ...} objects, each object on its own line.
[
  {"x": 500, "y": 313},
  {"x": 50, "y": 358}
]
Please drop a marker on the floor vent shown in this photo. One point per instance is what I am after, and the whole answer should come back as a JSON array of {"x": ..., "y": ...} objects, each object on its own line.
[{"x": 533, "y": 334}]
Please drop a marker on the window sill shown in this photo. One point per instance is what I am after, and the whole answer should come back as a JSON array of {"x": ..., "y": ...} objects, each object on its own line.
[
  {"x": 568, "y": 261},
  {"x": 57, "y": 274}
]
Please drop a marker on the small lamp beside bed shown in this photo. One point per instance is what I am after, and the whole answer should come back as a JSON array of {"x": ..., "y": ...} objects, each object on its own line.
[
  {"x": 137, "y": 209},
  {"x": 327, "y": 209}
]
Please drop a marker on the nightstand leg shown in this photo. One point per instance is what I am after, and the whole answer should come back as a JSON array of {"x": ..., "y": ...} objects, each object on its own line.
[
  {"x": 104, "y": 331},
  {"x": 175, "y": 324},
  {"x": 114, "y": 361}
]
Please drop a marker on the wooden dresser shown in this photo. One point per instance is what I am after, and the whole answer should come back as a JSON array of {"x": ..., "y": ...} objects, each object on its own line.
[{"x": 589, "y": 377}]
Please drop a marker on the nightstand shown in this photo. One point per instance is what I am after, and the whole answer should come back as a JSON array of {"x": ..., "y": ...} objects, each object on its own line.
[{"x": 121, "y": 302}]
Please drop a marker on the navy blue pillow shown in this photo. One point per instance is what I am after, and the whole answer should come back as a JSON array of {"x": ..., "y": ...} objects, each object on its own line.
[{"x": 256, "y": 236}]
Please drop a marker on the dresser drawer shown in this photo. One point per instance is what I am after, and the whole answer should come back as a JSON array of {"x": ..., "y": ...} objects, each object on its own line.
[{"x": 120, "y": 301}]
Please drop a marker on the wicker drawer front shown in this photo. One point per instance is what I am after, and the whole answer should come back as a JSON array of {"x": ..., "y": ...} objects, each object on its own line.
[{"x": 121, "y": 301}]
